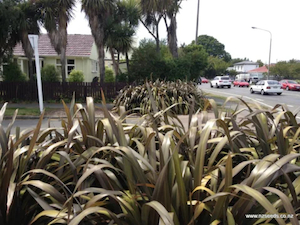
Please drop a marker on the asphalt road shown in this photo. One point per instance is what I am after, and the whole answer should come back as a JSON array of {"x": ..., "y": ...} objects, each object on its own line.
[{"x": 290, "y": 98}]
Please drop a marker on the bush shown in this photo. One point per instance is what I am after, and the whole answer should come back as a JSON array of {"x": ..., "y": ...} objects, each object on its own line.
[
  {"x": 146, "y": 63},
  {"x": 109, "y": 75},
  {"x": 12, "y": 72},
  {"x": 165, "y": 94},
  {"x": 76, "y": 76},
  {"x": 104, "y": 170},
  {"x": 50, "y": 74}
]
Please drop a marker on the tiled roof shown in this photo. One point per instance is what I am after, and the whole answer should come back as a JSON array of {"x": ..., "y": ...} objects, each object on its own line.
[
  {"x": 246, "y": 63},
  {"x": 78, "y": 45},
  {"x": 262, "y": 69}
]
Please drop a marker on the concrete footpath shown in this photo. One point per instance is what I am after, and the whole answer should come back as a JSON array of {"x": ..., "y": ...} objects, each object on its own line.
[{"x": 56, "y": 111}]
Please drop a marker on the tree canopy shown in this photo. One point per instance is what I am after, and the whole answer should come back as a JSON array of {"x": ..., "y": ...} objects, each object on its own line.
[{"x": 213, "y": 47}]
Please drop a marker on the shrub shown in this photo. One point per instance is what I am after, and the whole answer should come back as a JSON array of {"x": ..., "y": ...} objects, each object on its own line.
[
  {"x": 50, "y": 74},
  {"x": 76, "y": 76},
  {"x": 108, "y": 171},
  {"x": 146, "y": 63},
  {"x": 109, "y": 75},
  {"x": 165, "y": 94},
  {"x": 12, "y": 72}
]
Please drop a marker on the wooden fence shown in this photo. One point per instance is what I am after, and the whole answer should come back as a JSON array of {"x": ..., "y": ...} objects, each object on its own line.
[{"x": 27, "y": 91}]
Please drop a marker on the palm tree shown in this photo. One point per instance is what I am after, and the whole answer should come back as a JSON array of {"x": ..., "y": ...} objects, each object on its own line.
[
  {"x": 56, "y": 15},
  {"x": 151, "y": 15},
  {"x": 98, "y": 11},
  {"x": 28, "y": 24},
  {"x": 120, "y": 30},
  {"x": 171, "y": 13}
]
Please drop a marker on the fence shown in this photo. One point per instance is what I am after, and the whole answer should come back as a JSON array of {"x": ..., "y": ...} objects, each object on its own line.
[{"x": 27, "y": 91}]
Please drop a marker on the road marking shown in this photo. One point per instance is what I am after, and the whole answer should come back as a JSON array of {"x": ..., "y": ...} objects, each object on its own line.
[
  {"x": 259, "y": 99},
  {"x": 290, "y": 106},
  {"x": 262, "y": 103}
]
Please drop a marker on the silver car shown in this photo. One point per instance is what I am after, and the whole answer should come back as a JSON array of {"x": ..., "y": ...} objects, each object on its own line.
[{"x": 266, "y": 87}]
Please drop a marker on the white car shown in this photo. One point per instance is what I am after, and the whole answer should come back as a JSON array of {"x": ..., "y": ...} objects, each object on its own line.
[
  {"x": 220, "y": 81},
  {"x": 266, "y": 87}
]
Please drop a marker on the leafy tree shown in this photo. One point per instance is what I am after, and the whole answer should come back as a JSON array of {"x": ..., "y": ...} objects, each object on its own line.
[
  {"x": 282, "y": 69},
  {"x": 195, "y": 58},
  {"x": 109, "y": 75},
  {"x": 213, "y": 47},
  {"x": 55, "y": 17},
  {"x": 76, "y": 76},
  {"x": 146, "y": 63},
  {"x": 97, "y": 12},
  {"x": 8, "y": 28},
  {"x": 12, "y": 72},
  {"x": 216, "y": 66},
  {"x": 49, "y": 73},
  {"x": 260, "y": 63}
]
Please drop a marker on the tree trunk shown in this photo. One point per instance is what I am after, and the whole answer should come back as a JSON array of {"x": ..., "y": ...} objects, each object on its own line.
[
  {"x": 157, "y": 39},
  {"x": 63, "y": 34},
  {"x": 127, "y": 62},
  {"x": 28, "y": 52},
  {"x": 115, "y": 66},
  {"x": 172, "y": 37}
]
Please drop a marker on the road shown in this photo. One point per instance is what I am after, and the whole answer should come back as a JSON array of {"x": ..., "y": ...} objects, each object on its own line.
[{"x": 290, "y": 98}]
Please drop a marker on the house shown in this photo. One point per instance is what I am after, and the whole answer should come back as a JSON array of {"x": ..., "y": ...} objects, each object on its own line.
[
  {"x": 245, "y": 66},
  {"x": 259, "y": 72},
  {"x": 81, "y": 55}
]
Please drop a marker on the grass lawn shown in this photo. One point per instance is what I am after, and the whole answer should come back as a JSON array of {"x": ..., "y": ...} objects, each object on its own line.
[{"x": 27, "y": 111}]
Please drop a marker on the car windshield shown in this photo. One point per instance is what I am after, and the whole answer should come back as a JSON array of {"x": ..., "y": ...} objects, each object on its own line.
[
  {"x": 224, "y": 78},
  {"x": 273, "y": 82},
  {"x": 292, "y": 82}
]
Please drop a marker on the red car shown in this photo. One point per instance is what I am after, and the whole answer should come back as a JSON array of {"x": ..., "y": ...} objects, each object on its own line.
[
  {"x": 240, "y": 83},
  {"x": 290, "y": 85},
  {"x": 204, "y": 80}
]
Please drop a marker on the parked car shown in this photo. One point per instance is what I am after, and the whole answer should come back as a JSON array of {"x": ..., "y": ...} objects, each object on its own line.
[
  {"x": 240, "y": 83},
  {"x": 220, "y": 81},
  {"x": 204, "y": 80},
  {"x": 290, "y": 85},
  {"x": 266, "y": 87}
]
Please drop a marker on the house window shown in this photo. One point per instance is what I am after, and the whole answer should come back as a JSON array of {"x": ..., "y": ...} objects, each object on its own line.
[
  {"x": 70, "y": 65},
  {"x": 95, "y": 66}
]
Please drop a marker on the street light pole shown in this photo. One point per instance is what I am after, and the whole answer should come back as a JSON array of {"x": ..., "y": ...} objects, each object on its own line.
[
  {"x": 270, "y": 48},
  {"x": 197, "y": 22}
]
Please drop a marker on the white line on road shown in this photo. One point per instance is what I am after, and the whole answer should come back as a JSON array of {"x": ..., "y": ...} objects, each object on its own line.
[
  {"x": 269, "y": 106},
  {"x": 259, "y": 99},
  {"x": 290, "y": 106}
]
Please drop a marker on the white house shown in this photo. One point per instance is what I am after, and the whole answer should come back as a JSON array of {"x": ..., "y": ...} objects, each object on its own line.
[{"x": 245, "y": 66}]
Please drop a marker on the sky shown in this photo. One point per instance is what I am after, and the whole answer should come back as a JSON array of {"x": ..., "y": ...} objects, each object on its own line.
[{"x": 230, "y": 23}]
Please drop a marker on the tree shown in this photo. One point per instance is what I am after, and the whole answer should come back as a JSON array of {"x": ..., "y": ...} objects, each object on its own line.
[
  {"x": 196, "y": 61},
  {"x": 8, "y": 28},
  {"x": 260, "y": 63},
  {"x": 97, "y": 12},
  {"x": 151, "y": 15},
  {"x": 55, "y": 17},
  {"x": 216, "y": 66},
  {"x": 213, "y": 47},
  {"x": 28, "y": 24},
  {"x": 282, "y": 69},
  {"x": 119, "y": 30},
  {"x": 171, "y": 13},
  {"x": 49, "y": 74}
]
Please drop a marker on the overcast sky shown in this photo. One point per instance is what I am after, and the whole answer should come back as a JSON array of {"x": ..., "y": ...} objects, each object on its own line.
[{"x": 230, "y": 23}]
